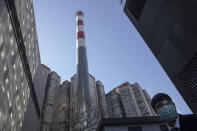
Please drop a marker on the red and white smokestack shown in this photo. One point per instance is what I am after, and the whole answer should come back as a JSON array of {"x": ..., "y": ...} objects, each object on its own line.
[
  {"x": 80, "y": 29},
  {"x": 83, "y": 91},
  {"x": 82, "y": 62}
]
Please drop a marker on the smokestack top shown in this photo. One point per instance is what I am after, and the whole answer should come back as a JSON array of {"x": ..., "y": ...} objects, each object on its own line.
[{"x": 79, "y": 13}]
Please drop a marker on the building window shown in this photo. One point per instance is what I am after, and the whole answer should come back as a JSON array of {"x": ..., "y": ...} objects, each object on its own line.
[
  {"x": 163, "y": 127},
  {"x": 136, "y": 7},
  {"x": 134, "y": 129}
]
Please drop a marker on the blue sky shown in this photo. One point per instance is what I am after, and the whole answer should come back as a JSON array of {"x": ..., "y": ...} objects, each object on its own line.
[{"x": 116, "y": 52}]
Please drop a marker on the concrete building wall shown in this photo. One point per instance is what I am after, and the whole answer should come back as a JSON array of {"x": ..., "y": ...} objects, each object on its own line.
[
  {"x": 53, "y": 82},
  {"x": 17, "y": 68},
  {"x": 31, "y": 122},
  {"x": 73, "y": 101},
  {"x": 141, "y": 100},
  {"x": 148, "y": 98},
  {"x": 109, "y": 105},
  {"x": 40, "y": 80},
  {"x": 56, "y": 109},
  {"x": 102, "y": 100},
  {"x": 78, "y": 110},
  {"x": 74, "y": 116},
  {"x": 14, "y": 88},
  {"x": 115, "y": 104},
  {"x": 129, "y": 101},
  {"x": 45, "y": 71},
  {"x": 26, "y": 17},
  {"x": 95, "y": 102},
  {"x": 61, "y": 107}
]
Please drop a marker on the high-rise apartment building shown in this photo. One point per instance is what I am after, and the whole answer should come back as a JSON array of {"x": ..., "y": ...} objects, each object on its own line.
[
  {"x": 128, "y": 100},
  {"x": 56, "y": 108},
  {"x": 114, "y": 105},
  {"x": 169, "y": 29},
  {"x": 22, "y": 77},
  {"x": 61, "y": 107},
  {"x": 102, "y": 100},
  {"x": 61, "y": 104},
  {"x": 53, "y": 82},
  {"x": 95, "y": 101},
  {"x": 98, "y": 103}
]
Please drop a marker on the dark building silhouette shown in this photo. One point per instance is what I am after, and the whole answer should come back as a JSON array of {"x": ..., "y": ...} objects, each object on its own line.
[{"x": 169, "y": 27}]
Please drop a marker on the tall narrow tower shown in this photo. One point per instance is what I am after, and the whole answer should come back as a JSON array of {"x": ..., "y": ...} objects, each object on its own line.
[{"x": 84, "y": 93}]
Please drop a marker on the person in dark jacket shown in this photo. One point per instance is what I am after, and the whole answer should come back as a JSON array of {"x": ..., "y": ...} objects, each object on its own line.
[{"x": 164, "y": 107}]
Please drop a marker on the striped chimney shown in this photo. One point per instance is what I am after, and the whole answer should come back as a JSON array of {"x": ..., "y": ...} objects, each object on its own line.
[
  {"x": 84, "y": 93},
  {"x": 80, "y": 30}
]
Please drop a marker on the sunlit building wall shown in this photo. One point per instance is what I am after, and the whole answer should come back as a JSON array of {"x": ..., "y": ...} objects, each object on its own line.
[
  {"x": 148, "y": 99},
  {"x": 74, "y": 115},
  {"x": 19, "y": 62},
  {"x": 73, "y": 102},
  {"x": 142, "y": 100},
  {"x": 53, "y": 82},
  {"x": 129, "y": 100},
  {"x": 25, "y": 13},
  {"x": 114, "y": 105},
  {"x": 102, "y": 100},
  {"x": 61, "y": 108},
  {"x": 95, "y": 102}
]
